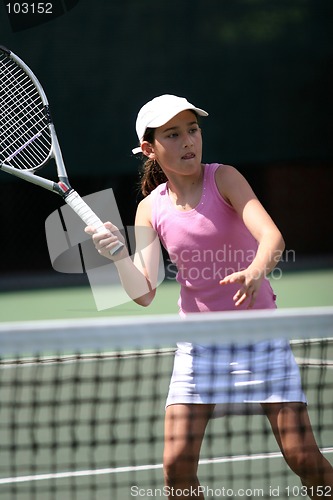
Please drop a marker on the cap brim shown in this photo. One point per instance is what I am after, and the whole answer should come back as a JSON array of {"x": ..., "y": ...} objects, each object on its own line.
[
  {"x": 169, "y": 114},
  {"x": 136, "y": 151}
]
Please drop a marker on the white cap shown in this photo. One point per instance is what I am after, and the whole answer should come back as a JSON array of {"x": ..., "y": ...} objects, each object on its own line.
[{"x": 159, "y": 111}]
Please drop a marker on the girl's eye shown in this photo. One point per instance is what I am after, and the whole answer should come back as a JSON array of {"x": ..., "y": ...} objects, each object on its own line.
[{"x": 174, "y": 135}]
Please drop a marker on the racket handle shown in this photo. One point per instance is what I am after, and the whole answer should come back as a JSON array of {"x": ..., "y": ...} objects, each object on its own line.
[{"x": 80, "y": 207}]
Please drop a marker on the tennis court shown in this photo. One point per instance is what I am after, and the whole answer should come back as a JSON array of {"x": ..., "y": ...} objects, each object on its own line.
[
  {"x": 82, "y": 391},
  {"x": 90, "y": 426}
]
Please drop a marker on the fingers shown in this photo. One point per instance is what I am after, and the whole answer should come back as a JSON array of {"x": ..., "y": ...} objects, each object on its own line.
[
  {"x": 243, "y": 295},
  {"x": 111, "y": 227},
  {"x": 105, "y": 242},
  {"x": 90, "y": 230},
  {"x": 233, "y": 278},
  {"x": 248, "y": 290},
  {"x": 105, "y": 239}
]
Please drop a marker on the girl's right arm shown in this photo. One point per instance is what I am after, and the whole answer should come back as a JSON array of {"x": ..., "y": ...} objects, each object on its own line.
[{"x": 138, "y": 276}]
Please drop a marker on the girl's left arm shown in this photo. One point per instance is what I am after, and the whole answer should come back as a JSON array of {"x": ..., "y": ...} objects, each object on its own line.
[{"x": 238, "y": 193}]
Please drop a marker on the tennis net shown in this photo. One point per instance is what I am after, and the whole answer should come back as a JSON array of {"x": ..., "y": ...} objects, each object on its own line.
[{"x": 82, "y": 405}]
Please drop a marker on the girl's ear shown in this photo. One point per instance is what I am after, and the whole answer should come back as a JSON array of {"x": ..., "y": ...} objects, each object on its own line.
[{"x": 148, "y": 150}]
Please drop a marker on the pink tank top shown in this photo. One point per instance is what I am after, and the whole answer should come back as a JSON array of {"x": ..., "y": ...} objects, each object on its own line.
[{"x": 206, "y": 244}]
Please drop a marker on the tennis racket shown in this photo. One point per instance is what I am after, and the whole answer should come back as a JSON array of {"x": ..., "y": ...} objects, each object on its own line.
[{"x": 28, "y": 139}]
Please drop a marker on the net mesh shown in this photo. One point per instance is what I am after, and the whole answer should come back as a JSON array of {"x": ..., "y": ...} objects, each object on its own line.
[{"x": 82, "y": 406}]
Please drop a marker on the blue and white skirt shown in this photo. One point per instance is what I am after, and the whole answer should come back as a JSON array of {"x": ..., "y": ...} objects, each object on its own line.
[{"x": 237, "y": 379}]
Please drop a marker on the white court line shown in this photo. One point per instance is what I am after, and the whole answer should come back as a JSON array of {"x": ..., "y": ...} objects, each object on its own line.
[
  {"x": 315, "y": 363},
  {"x": 138, "y": 468}
]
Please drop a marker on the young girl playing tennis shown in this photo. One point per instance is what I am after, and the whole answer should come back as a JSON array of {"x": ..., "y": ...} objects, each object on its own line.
[{"x": 224, "y": 244}]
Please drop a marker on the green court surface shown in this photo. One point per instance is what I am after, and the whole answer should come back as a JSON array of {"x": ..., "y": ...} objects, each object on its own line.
[
  {"x": 92, "y": 444},
  {"x": 107, "y": 459},
  {"x": 297, "y": 289}
]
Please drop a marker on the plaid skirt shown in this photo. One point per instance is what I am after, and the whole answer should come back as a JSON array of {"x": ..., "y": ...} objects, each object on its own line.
[{"x": 236, "y": 378}]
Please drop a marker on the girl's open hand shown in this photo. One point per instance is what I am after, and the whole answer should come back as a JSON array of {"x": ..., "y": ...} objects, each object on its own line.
[{"x": 250, "y": 283}]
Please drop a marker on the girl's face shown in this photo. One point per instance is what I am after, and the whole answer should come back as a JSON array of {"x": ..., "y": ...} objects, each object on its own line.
[{"x": 177, "y": 145}]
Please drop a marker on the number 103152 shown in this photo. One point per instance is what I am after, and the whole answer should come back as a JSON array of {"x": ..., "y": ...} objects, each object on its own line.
[
  {"x": 29, "y": 8},
  {"x": 311, "y": 491}
]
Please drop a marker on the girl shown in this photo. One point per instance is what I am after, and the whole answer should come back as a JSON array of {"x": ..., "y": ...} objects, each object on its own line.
[{"x": 224, "y": 244}]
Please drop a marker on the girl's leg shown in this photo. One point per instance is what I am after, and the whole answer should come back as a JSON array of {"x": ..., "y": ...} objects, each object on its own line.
[
  {"x": 184, "y": 430},
  {"x": 292, "y": 429}
]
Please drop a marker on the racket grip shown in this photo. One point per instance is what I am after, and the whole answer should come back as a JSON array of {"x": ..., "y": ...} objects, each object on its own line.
[{"x": 85, "y": 213}]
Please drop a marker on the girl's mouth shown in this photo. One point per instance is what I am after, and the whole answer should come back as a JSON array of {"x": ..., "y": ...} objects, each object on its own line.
[{"x": 188, "y": 156}]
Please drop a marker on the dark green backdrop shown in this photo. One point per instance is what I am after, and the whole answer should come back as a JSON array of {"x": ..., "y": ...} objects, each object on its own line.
[{"x": 262, "y": 68}]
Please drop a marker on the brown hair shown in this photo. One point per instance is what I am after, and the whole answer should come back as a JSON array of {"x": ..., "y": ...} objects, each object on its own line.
[{"x": 152, "y": 174}]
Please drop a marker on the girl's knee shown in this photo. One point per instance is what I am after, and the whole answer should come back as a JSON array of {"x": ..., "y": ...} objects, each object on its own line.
[
  {"x": 306, "y": 463},
  {"x": 180, "y": 466}
]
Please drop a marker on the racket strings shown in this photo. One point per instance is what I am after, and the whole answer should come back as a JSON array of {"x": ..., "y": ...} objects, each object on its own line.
[
  {"x": 23, "y": 119},
  {"x": 14, "y": 83},
  {"x": 25, "y": 139},
  {"x": 20, "y": 93},
  {"x": 18, "y": 135}
]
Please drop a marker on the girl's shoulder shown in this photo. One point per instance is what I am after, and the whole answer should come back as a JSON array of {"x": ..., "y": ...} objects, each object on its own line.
[
  {"x": 226, "y": 179},
  {"x": 222, "y": 172},
  {"x": 144, "y": 212},
  {"x": 229, "y": 180},
  {"x": 226, "y": 172}
]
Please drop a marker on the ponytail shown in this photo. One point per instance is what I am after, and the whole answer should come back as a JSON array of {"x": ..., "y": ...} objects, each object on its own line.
[{"x": 152, "y": 175}]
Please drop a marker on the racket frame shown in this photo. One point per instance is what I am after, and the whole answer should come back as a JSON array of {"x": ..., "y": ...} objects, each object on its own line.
[{"x": 63, "y": 187}]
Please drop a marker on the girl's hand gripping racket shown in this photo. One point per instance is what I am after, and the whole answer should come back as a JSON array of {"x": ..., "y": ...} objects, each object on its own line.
[{"x": 28, "y": 139}]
